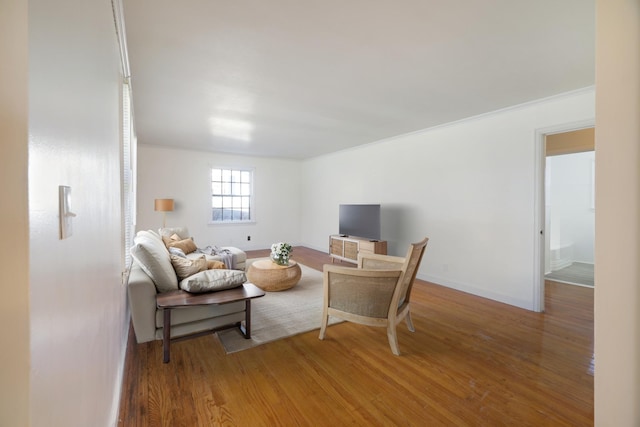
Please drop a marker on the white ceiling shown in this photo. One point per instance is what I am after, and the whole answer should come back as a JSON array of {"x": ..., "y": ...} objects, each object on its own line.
[{"x": 298, "y": 79}]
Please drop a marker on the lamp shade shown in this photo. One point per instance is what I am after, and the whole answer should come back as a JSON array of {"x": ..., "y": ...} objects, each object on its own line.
[{"x": 164, "y": 205}]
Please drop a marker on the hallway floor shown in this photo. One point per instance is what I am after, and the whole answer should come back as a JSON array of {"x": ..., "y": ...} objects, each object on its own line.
[{"x": 578, "y": 273}]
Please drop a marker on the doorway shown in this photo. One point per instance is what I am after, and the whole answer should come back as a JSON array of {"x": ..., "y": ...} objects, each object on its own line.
[
  {"x": 570, "y": 216},
  {"x": 561, "y": 240}
]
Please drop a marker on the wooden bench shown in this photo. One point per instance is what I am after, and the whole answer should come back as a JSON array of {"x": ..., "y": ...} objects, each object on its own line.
[{"x": 179, "y": 299}]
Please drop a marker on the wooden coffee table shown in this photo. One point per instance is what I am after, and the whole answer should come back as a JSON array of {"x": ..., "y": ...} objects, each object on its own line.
[
  {"x": 269, "y": 276},
  {"x": 180, "y": 299}
]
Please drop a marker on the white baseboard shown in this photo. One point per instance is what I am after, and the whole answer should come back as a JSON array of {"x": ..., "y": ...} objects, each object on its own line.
[
  {"x": 560, "y": 264},
  {"x": 117, "y": 393},
  {"x": 470, "y": 289}
]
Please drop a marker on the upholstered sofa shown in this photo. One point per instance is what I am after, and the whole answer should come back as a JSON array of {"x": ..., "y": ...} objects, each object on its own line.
[{"x": 152, "y": 272}]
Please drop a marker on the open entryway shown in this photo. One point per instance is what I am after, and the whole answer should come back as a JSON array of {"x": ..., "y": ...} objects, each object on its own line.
[
  {"x": 570, "y": 213},
  {"x": 565, "y": 207}
]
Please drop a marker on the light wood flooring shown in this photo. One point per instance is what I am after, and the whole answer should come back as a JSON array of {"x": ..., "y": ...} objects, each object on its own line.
[{"x": 471, "y": 361}]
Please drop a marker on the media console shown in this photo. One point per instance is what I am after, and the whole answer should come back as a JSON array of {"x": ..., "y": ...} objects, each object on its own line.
[{"x": 346, "y": 248}]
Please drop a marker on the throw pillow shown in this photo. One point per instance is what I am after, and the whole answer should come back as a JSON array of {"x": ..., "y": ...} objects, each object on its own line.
[
  {"x": 149, "y": 233},
  {"x": 211, "y": 265},
  {"x": 171, "y": 239},
  {"x": 213, "y": 280},
  {"x": 187, "y": 245},
  {"x": 186, "y": 267}
]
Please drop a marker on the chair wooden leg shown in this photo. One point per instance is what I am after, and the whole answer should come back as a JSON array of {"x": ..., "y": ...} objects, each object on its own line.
[
  {"x": 409, "y": 322},
  {"x": 393, "y": 339},
  {"x": 323, "y": 325}
]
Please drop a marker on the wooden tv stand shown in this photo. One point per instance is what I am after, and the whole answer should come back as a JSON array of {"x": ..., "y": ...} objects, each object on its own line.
[{"x": 346, "y": 248}]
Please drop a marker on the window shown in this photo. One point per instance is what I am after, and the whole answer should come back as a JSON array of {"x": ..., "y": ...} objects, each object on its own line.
[{"x": 231, "y": 195}]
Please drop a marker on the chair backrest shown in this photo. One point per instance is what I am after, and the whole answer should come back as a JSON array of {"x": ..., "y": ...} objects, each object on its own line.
[{"x": 409, "y": 271}]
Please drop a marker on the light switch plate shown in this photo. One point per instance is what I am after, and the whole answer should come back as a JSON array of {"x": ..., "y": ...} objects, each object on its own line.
[{"x": 64, "y": 194}]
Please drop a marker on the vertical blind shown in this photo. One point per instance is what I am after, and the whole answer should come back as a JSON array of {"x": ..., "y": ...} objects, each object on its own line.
[{"x": 128, "y": 187}]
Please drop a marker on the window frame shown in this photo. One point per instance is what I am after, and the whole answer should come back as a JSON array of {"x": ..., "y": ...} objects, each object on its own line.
[{"x": 252, "y": 209}]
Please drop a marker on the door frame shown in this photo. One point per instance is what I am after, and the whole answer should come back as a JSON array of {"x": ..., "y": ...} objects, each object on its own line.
[{"x": 539, "y": 230}]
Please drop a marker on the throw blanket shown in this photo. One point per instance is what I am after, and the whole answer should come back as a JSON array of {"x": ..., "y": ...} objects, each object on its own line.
[{"x": 224, "y": 254}]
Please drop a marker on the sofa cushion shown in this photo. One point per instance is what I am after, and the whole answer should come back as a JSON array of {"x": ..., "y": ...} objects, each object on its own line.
[
  {"x": 182, "y": 232},
  {"x": 213, "y": 280},
  {"x": 154, "y": 259},
  {"x": 200, "y": 318}
]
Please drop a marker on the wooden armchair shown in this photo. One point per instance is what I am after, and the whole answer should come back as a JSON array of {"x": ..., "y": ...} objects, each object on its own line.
[{"x": 377, "y": 293}]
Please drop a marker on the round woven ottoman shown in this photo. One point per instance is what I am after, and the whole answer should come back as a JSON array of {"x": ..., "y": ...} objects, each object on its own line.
[{"x": 270, "y": 277}]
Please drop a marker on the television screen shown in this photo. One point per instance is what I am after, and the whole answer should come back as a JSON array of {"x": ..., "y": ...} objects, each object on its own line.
[{"x": 360, "y": 221}]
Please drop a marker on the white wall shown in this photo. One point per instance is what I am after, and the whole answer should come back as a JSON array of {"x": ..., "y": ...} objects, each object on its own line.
[
  {"x": 77, "y": 300},
  {"x": 468, "y": 186},
  {"x": 572, "y": 217},
  {"x": 617, "y": 346},
  {"x": 617, "y": 301},
  {"x": 185, "y": 176},
  {"x": 14, "y": 224}
]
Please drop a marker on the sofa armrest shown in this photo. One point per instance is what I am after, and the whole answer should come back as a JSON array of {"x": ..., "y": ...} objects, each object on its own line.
[{"x": 142, "y": 301}]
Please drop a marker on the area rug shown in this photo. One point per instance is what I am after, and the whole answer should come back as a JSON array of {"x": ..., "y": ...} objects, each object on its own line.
[{"x": 281, "y": 314}]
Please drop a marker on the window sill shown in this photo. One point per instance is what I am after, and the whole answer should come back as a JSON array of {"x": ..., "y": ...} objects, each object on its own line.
[{"x": 231, "y": 222}]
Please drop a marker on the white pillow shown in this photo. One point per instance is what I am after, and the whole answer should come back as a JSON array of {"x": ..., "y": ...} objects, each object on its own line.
[
  {"x": 213, "y": 280},
  {"x": 150, "y": 234},
  {"x": 177, "y": 252},
  {"x": 154, "y": 259},
  {"x": 154, "y": 234}
]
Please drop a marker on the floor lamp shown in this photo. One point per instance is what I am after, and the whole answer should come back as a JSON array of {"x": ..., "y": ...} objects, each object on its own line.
[{"x": 164, "y": 206}]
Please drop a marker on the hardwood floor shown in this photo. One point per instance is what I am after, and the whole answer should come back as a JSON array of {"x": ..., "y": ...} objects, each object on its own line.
[{"x": 471, "y": 361}]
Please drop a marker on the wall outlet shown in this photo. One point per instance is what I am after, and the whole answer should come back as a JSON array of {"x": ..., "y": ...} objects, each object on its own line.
[{"x": 248, "y": 238}]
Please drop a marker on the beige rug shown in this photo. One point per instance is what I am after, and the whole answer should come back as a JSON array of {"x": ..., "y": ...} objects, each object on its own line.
[{"x": 281, "y": 314}]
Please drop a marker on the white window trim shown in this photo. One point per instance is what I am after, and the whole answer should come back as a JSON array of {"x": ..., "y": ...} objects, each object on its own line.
[{"x": 251, "y": 197}]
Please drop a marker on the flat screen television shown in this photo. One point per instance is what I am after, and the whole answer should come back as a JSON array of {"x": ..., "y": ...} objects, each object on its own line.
[{"x": 360, "y": 221}]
